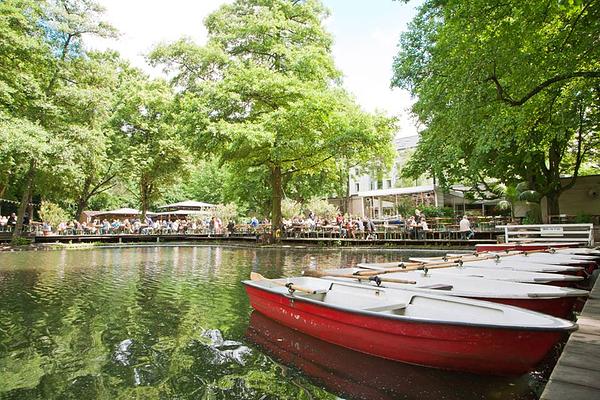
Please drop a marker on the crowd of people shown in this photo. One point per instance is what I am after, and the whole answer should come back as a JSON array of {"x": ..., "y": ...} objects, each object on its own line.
[
  {"x": 8, "y": 222},
  {"x": 213, "y": 225},
  {"x": 148, "y": 226},
  {"x": 343, "y": 226},
  {"x": 353, "y": 227}
]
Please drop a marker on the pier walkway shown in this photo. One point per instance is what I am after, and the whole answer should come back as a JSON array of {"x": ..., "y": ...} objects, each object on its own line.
[
  {"x": 576, "y": 375},
  {"x": 258, "y": 239}
]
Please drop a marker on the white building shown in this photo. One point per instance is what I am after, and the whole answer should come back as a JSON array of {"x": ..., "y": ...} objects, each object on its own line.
[
  {"x": 363, "y": 181},
  {"x": 376, "y": 193}
]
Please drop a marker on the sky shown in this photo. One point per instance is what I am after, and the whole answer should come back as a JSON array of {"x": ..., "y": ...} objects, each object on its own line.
[{"x": 366, "y": 33}]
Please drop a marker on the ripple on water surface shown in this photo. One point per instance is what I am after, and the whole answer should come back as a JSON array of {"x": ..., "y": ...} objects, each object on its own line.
[{"x": 173, "y": 322}]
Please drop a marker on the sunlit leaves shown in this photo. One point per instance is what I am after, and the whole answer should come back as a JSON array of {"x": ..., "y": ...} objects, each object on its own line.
[
  {"x": 499, "y": 92},
  {"x": 264, "y": 96}
]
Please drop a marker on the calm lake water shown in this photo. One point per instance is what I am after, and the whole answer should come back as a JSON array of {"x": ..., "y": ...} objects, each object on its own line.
[{"x": 175, "y": 323}]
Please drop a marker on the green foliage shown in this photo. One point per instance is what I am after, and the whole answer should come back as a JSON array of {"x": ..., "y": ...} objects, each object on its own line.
[
  {"x": 263, "y": 94},
  {"x": 227, "y": 212},
  {"x": 532, "y": 217},
  {"x": 507, "y": 91},
  {"x": 433, "y": 211},
  {"x": 582, "y": 218},
  {"x": 21, "y": 241},
  {"x": 290, "y": 208},
  {"x": 52, "y": 213},
  {"x": 406, "y": 206},
  {"x": 321, "y": 208},
  {"x": 156, "y": 158}
]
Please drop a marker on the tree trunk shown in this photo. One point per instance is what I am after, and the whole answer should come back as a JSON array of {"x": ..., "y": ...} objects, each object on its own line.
[
  {"x": 18, "y": 232},
  {"x": 552, "y": 204},
  {"x": 81, "y": 206},
  {"x": 277, "y": 194},
  {"x": 144, "y": 195},
  {"x": 83, "y": 198}
]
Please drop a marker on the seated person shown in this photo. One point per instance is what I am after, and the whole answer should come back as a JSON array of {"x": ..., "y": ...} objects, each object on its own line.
[
  {"x": 465, "y": 228},
  {"x": 424, "y": 228}
]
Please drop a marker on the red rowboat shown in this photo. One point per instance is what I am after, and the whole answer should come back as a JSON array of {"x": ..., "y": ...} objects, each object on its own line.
[
  {"x": 355, "y": 375},
  {"x": 521, "y": 246},
  {"x": 437, "y": 331},
  {"x": 553, "y": 300}
]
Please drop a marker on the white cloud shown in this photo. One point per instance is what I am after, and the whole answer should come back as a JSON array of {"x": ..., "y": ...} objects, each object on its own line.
[{"x": 145, "y": 23}]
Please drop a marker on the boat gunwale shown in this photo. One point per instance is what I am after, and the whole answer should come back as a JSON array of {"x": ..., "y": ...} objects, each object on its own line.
[
  {"x": 561, "y": 293},
  {"x": 403, "y": 318}
]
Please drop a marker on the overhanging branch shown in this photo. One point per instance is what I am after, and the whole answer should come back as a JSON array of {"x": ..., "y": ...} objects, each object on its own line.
[{"x": 506, "y": 98}]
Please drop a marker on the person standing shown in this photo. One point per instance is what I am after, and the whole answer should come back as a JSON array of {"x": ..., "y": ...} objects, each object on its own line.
[{"x": 12, "y": 222}]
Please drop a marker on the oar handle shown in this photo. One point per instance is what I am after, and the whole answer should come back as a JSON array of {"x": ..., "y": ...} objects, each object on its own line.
[
  {"x": 255, "y": 276},
  {"x": 292, "y": 288}
]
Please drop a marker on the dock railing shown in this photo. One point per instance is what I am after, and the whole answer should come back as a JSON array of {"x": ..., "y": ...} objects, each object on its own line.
[{"x": 576, "y": 233}]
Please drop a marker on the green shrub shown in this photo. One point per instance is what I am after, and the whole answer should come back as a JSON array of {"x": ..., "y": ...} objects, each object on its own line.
[
  {"x": 20, "y": 241},
  {"x": 321, "y": 208},
  {"x": 433, "y": 211},
  {"x": 582, "y": 218},
  {"x": 405, "y": 206},
  {"x": 226, "y": 212},
  {"x": 290, "y": 208},
  {"x": 53, "y": 214}
]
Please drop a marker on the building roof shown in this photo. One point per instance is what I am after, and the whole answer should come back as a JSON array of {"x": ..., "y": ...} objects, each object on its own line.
[
  {"x": 182, "y": 212},
  {"x": 190, "y": 204},
  {"x": 406, "y": 142},
  {"x": 396, "y": 191},
  {"x": 123, "y": 211}
]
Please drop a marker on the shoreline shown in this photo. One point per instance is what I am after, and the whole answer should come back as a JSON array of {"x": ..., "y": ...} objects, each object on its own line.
[{"x": 8, "y": 248}]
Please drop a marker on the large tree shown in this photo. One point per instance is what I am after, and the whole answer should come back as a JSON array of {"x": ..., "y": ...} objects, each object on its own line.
[
  {"x": 264, "y": 95},
  {"x": 154, "y": 156},
  {"x": 41, "y": 46},
  {"x": 507, "y": 91}
]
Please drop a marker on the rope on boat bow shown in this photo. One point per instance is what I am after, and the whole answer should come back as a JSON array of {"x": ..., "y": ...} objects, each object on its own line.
[
  {"x": 290, "y": 287},
  {"x": 375, "y": 279}
]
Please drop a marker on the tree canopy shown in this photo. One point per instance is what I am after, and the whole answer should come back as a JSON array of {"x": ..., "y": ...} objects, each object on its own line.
[
  {"x": 264, "y": 95},
  {"x": 507, "y": 91},
  {"x": 257, "y": 114}
]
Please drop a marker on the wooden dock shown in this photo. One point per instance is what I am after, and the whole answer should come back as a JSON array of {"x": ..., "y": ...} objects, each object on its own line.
[
  {"x": 576, "y": 375},
  {"x": 249, "y": 238}
]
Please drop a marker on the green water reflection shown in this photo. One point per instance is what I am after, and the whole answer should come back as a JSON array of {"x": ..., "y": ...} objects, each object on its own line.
[{"x": 173, "y": 323}]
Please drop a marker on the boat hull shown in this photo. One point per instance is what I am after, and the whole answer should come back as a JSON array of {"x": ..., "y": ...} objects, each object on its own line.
[
  {"x": 521, "y": 246},
  {"x": 472, "y": 348},
  {"x": 351, "y": 374},
  {"x": 561, "y": 307}
]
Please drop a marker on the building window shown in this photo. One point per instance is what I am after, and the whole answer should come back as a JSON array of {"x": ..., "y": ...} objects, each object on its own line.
[
  {"x": 357, "y": 187},
  {"x": 388, "y": 184},
  {"x": 373, "y": 185}
]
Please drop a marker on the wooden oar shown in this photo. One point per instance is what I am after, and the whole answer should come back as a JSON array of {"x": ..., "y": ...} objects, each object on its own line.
[
  {"x": 373, "y": 278},
  {"x": 485, "y": 256},
  {"x": 255, "y": 276},
  {"x": 451, "y": 261},
  {"x": 407, "y": 267}
]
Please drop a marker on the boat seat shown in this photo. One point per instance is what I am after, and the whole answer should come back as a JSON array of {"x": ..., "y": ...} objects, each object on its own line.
[
  {"x": 437, "y": 286},
  {"x": 386, "y": 307}
]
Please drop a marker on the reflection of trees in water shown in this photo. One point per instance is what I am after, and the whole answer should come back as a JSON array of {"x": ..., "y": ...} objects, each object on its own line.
[
  {"x": 129, "y": 322},
  {"x": 64, "y": 316}
]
